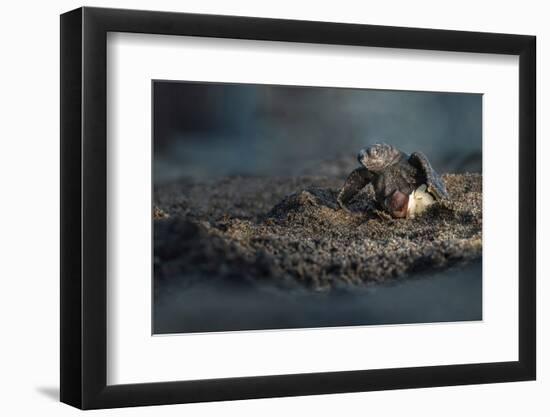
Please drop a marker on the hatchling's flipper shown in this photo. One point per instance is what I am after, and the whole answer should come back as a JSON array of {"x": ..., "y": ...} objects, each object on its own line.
[
  {"x": 433, "y": 181},
  {"x": 357, "y": 180}
]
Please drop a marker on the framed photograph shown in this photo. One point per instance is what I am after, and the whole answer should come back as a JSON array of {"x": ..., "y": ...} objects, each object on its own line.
[{"x": 258, "y": 208}]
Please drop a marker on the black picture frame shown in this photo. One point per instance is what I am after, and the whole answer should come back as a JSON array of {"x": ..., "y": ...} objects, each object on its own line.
[{"x": 84, "y": 223}]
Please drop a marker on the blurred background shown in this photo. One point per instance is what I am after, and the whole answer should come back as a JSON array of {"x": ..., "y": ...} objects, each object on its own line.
[{"x": 216, "y": 129}]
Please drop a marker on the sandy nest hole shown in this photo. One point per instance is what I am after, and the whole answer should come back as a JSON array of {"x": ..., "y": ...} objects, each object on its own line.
[{"x": 290, "y": 231}]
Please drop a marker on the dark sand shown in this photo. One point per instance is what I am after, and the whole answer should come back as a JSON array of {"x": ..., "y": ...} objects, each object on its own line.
[
  {"x": 448, "y": 295},
  {"x": 288, "y": 232}
]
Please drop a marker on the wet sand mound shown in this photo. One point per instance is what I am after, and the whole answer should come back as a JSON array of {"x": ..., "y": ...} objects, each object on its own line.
[{"x": 291, "y": 232}]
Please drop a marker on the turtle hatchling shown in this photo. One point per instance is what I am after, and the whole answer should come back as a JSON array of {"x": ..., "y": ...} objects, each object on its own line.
[{"x": 404, "y": 185}]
